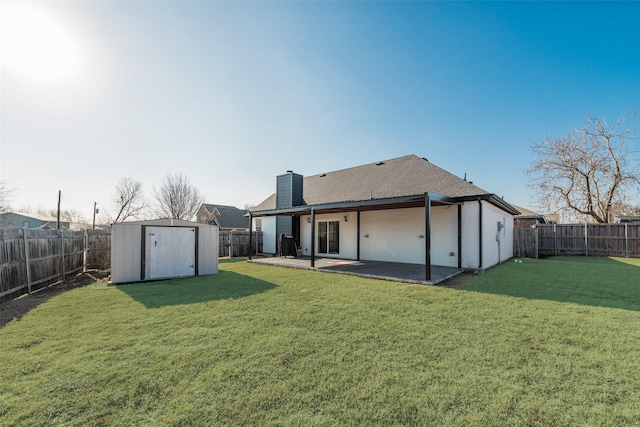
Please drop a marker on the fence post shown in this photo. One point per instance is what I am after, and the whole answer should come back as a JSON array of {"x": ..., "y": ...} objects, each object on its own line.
[
  {"x": 555, "y": 240},
  {"x": 85, "y": 252},
  {"x": 626, "y": 241},
  {"x": 586, "y": 241},
  {"x": 231, "y": 244},
  {"x": 537, "y": 244},
  {"x": 26, "y": 259},
  {"x": 64, "y": 276}
]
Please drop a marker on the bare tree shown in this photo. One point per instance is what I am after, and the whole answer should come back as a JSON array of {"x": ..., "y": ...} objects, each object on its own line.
[
  {"x": 66, "y": 215},
  {"x": 5, "y": 196},
  {"x": 177, "y": 198},
  {"x": 129, "y": 201},
  {"x": 587, "y": 171},
  {"x": 72, "y": 215}
]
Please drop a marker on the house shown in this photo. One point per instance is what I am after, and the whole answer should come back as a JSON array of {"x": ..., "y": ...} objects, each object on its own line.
[
  {"x": 404, "y": 210},
  {"x": 29, "y": 220},
  {"x": 528, "y": 218},
  {"x": 225, "y": 217}
]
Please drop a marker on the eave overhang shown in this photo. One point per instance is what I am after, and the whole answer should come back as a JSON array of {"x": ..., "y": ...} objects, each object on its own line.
[
  {"x": 361, "y": 205},
  {"x": 388, "y": 203}
]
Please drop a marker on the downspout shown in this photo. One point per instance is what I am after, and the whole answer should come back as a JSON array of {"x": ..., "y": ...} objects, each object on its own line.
[{"x": 479, "y": 233}]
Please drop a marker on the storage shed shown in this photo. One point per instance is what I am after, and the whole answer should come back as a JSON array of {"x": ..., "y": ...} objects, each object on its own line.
[{"x": 162, "y": 249}]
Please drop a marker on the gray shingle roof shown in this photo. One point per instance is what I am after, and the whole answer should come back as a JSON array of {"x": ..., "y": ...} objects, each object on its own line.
[
  {"x": 230, "y": 216},
  {"x": 404, "y": 176}
]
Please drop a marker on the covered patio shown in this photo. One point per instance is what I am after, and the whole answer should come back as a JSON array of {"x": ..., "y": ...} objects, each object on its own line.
[
  {"x": 418, "y": 273},
  {"x": 394, "y": 271}
]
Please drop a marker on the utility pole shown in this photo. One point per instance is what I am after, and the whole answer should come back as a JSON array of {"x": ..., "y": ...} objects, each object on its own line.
[
  {"x": 95, "y": 211},
  {"x": 59, "y": 198}
]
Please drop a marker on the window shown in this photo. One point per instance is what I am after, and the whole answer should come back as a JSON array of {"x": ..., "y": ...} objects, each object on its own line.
[
  {"x": 258, "y": 224},
  {"x": 329, "y": 237}
]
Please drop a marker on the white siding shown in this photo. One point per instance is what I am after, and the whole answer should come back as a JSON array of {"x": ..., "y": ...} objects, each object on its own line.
[
  {"x": 126, "y": 252},
  {"x": 208, "y": 241}
]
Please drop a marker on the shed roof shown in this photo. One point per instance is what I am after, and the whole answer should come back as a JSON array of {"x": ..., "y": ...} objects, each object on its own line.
[{"x": 165, "y": 222}]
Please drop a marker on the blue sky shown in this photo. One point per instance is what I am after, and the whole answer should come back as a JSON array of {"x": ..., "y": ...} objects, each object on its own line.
[{"x": 234, "y": 93}]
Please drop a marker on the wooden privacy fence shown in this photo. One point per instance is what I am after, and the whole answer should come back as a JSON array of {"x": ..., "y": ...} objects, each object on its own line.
[
  {"x": 31, "y": 259},
  {"x": 621, "y": 240},
  {"x": 236, "y": 243}
]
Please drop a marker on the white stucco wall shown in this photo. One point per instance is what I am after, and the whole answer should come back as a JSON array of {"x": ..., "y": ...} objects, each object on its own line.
[
  {"x": 491, "y": 215},
  {"x": 269, "y": 242},
  {"x": 394, "y": 235},
  {"x": 398, "y": 235},
  {"x": 496, "y": 246},
  {"x": 470, "y": 236}
]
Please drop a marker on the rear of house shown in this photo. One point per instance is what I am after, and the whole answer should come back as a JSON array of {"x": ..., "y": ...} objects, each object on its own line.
[{"x": 403, "y": 210}]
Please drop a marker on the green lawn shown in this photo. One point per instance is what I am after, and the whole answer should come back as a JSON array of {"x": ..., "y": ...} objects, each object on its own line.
[
  {"x": 602, "y": 282},
  {"x": 259, "y": 345}
]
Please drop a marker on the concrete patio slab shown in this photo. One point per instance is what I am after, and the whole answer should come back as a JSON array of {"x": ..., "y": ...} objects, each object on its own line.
[{"x": 394, "y": 271}]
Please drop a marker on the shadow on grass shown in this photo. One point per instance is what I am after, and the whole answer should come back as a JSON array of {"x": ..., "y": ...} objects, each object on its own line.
[
  {"x": 600, "y": 282},
  {"x": 224, "y": 285}
]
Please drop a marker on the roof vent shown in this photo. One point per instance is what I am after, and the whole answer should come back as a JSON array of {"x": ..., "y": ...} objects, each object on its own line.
[
  {"x": 379, "y": 163},
  {"x": 289, "y": 171},
  {"x": 324, "y": 174},
  {"x": 425, "y": 159}
]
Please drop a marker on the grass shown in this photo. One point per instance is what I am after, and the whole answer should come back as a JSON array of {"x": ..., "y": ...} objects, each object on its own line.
[
  {"x": 602, "y": 282},
  {"x": 259, "y": 345}
]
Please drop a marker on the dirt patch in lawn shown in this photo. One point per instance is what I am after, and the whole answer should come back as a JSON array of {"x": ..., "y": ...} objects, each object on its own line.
[
  {"x": 15, "y": 309},
  {"x": 457, "y": 280}
]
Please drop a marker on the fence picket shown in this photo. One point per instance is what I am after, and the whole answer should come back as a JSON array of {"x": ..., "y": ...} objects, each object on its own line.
[
  {"x": 31, "y": 259},
  {"x": 578, "y": 240}
]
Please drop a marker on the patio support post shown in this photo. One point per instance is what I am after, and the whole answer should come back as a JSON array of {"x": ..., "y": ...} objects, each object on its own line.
[
  {"x": 459, "y": 236},
  {"x": 358, "y": 236},
  {"x": 479, "y": 233},
  {"x": 313, "y": 238},
  {"x": 250, "y": 233},
  {"x": 427, "y": 237}
]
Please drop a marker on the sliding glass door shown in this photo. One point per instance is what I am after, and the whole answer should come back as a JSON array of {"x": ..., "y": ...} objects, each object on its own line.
[{"x": 329, "y": 237}]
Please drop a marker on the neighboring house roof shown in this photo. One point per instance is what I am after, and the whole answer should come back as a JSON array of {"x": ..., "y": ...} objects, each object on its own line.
[
  {"x": 404, "y": 176},
  {"x": 228, "y": 216},
  {"x": 542, "y": 218},
  {"x": 16, "y": 219}
]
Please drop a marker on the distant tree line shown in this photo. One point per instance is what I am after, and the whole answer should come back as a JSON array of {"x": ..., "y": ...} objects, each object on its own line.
[{"x": 175, "y": 198}]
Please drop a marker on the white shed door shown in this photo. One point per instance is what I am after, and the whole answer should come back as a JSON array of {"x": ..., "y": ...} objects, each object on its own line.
[{"x": 170, "y": 252}]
